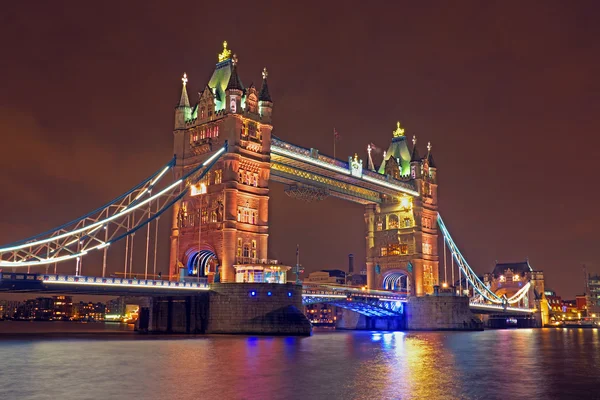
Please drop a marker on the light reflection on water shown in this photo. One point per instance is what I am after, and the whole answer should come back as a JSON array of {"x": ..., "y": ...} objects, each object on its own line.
[{"x": 506, "y": 364}]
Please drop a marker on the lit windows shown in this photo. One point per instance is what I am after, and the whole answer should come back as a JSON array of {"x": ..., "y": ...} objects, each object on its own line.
[
  {"x": 407, "y": 222},
  {"x": 247, "y": 215},
  {"x": 394, "y": 249},
  {"x": 218, "y": 176},
  {"x": 379, "y": 224},
  {"x": 393, "y": 221},
  {"x": 427, "y": 248}
]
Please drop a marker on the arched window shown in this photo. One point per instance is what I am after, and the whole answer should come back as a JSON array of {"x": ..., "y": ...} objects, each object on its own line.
[
  {"x": 393, "y": 221},
  {"x": 246, "y": 252},
  {"x": 253, "y": 219},
  {"x": 239, "y": 218}
]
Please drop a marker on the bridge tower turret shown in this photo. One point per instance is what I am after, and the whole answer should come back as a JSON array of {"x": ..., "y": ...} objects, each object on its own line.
[
  {"x": 402, "y": 251},
  {"x": 224, "y": 220}
]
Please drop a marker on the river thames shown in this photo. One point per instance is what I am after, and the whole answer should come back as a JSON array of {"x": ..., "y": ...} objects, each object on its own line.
[{"x": 113, "y": 363}]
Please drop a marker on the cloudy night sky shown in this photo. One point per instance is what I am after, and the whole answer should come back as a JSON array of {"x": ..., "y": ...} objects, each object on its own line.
[{"x": 508, "y": 93}]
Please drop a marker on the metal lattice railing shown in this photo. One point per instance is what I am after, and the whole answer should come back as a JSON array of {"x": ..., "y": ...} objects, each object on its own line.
[
  {"x": 114, "y": 221},
  {"x": 484, "y": 293}
]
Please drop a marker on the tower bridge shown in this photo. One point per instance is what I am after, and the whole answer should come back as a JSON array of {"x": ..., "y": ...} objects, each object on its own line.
[{"x": 216, "y": 191}]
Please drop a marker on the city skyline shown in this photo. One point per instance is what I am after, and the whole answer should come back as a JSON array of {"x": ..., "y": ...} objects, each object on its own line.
[{"x": 507, "y": 188}]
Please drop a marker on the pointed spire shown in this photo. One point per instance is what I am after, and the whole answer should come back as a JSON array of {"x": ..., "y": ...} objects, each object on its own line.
[
  {"x": 264, "y": 94},
  {"x": 430, "y": 156},
  {"x": 234, "y": 79},
  {"x": 184, "y": 101},
  {"x": 415, "y": 153}
]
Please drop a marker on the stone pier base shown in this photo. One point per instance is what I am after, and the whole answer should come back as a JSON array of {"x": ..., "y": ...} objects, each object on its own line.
[
  {"x": 439, "y": 313},
  {"x": 243, "y": 308}
]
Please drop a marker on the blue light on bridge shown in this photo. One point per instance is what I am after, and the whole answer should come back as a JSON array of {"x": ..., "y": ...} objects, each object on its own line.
[
  {"x": 269, "y": 294},
  {"x": 253, "y": 293},
  {"x": 289, "y": 294}
]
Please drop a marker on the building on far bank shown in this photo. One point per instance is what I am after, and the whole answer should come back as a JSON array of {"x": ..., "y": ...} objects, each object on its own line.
[
  {"x": 63, "y": 307},
  {"x": 116, "y": 306},
  {"x": 89, "y": 311},
  {"x": 322, "y": 314},
  {"x": 554, "y": 301},
  {"x": 594, "y": 293},
  {"x": 332, "y": 276}
]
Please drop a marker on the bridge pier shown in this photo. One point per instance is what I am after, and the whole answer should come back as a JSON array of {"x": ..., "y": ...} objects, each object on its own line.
[
  {"x": 231, "y": 308},
  {"x": 438, "y": 313}
]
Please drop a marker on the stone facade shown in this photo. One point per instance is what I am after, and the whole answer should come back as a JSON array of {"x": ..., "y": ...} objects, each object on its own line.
[
  {"x": 225, "y": 217},
  {"x": 402, "y": 232}
]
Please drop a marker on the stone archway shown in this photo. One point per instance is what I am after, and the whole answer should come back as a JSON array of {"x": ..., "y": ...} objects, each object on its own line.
[
  {"x": 201, "y": 261},
  {"x": 398, "y": 280}
]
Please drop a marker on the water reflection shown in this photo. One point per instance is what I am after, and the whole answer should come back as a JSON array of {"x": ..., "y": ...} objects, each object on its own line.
[{"x": 533, "y": 364}]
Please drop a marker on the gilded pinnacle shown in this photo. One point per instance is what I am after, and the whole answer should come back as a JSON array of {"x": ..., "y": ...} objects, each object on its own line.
[
  {"x": 225, "y": 54},
  {"x": 399, "y": 131},
  {"x": 184, "y": 79},
  {"x": 265, "y": 73}
]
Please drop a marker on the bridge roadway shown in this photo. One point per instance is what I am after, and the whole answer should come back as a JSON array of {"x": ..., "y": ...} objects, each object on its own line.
[{"x": 311, "y": 293}]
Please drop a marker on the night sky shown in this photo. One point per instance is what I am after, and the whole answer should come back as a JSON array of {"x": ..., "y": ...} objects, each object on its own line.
[{"x": 508, "y": 95}]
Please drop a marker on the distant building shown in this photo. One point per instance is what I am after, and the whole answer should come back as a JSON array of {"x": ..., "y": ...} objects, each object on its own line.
[
  {"x": 569, "y": 309},
  {"x": 554, "y": 302},
  {"x": 116, "y": 306},
  {"x": 44, "y": 309},
  {"x": 334, "y": 276},
  {"x": 322, "y": 314},
  {"x": 581, "y": 303},
  {"x": 89, "y": 311},
  {"x": 35, "y": 309},
  {"x": 63, "y": 307},
  {"x": 8, "y": 308},
  {"x": 594, "y": 293}
]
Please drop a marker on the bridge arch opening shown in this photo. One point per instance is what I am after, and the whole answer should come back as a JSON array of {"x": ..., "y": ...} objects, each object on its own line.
[
  {"x": 397, "y": 281},
  {"x": 201, "y": 262}
]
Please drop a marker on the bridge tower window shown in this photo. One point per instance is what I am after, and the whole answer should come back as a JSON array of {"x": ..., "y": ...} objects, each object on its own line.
[
  {"x": 407, "y": 223},
  {"x": 427, "y": 248},
  {"x": 218, "y": 176},
  {"x": 393, "y": 221},
  {"x": 246, "y": 252}
]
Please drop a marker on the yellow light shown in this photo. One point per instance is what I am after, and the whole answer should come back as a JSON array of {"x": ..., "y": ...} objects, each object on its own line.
[
  {"x": 225, "y": 54},
  {"x": 399, "y": 131},
  {"x": 445, "y": 285},
  {"x": 405, "y": 203}
]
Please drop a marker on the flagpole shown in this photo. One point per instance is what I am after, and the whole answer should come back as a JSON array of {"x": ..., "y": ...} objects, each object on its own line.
[{"x": 334, "y": 140}]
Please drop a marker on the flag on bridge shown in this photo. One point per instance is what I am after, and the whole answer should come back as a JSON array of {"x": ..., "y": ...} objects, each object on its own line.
[{"x": 336, "y": 135}]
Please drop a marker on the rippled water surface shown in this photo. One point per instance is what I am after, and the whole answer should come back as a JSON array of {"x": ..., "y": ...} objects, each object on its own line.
[{"x": 504, "y": 364}]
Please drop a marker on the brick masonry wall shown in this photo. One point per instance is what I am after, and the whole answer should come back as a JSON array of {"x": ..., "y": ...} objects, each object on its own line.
[
  {"x": 232, "y": 309},
  {"x": 431, "y": 313}
]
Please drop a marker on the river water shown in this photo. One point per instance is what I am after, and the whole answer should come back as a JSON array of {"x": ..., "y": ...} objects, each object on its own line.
[{"x": 114, "y": 363}]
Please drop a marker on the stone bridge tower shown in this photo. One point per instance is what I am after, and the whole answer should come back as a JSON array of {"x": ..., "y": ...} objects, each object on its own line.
[
  {"x": 224, "y": 220},
  {"x": 402, "y": 233}
]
